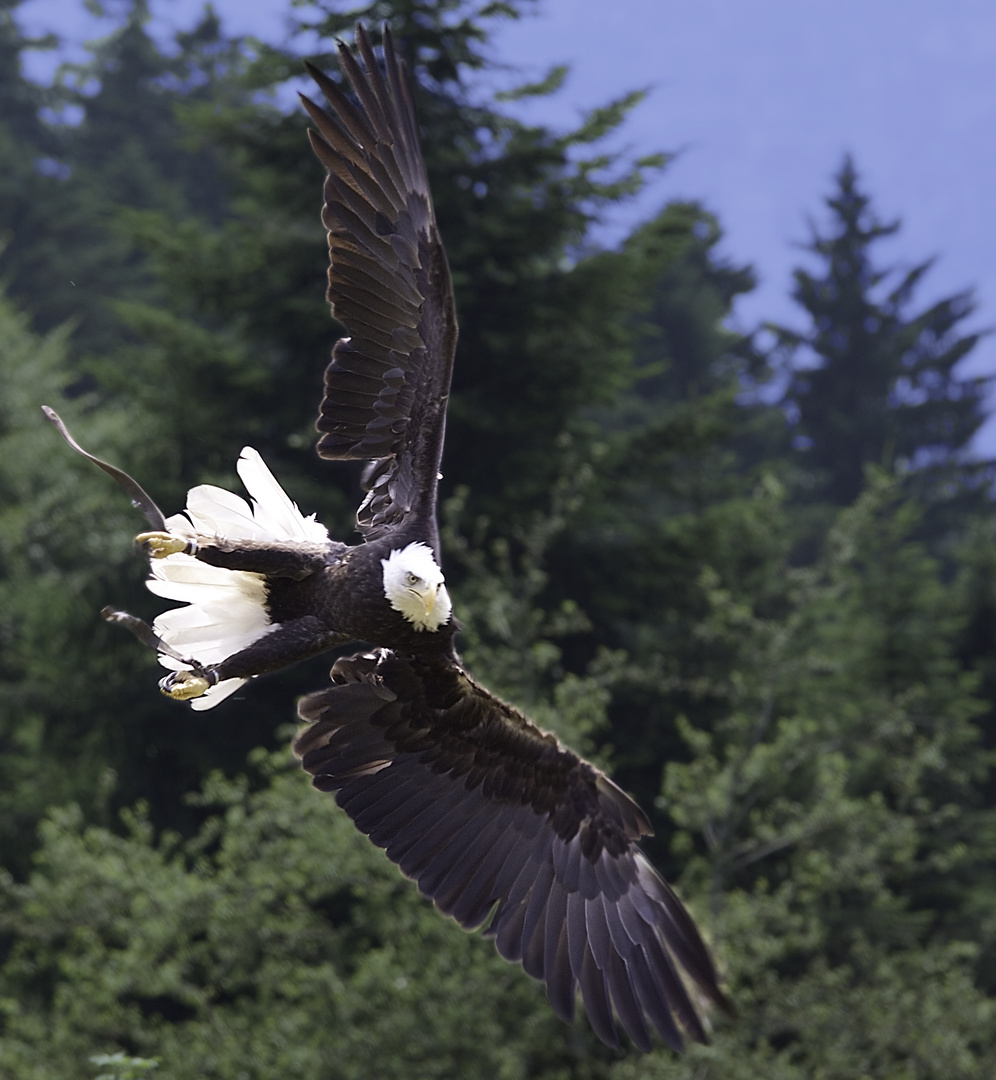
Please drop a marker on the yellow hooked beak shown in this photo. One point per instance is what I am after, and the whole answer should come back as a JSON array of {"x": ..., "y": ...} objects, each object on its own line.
[{"x": 426, "y": 597}]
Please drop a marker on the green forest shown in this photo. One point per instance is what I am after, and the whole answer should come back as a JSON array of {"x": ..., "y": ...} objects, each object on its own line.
[{"x": 751, "y": 574}]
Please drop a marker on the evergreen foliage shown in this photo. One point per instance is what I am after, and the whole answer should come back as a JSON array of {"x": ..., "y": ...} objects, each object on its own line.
[
  {"x": 276, "y": 941},
  {"x": 877, "y": 383},
  {"x": 812, "y": 731}
]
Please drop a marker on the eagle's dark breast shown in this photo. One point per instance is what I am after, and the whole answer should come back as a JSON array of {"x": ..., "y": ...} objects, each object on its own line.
[{"x": 348, "y": 597}]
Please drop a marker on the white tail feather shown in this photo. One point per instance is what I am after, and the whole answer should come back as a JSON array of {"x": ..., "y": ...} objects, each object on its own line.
[
  {"x": 274, "y": 510},
  {"x": 213, "y": 511},
  {"x": 226, "y": 609}
]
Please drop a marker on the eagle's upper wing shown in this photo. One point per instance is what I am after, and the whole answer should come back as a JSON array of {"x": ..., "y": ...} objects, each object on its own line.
[
  {"x": 387, "y": 385},
  {"x": 485, "y": 811}
]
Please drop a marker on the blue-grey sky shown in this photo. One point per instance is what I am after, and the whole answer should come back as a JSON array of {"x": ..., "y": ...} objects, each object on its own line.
[{"x": 762, "y": 98}]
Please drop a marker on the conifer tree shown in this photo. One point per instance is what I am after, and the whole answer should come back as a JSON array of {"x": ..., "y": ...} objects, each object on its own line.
[
  {"x": 104, "y": 139},
  {"x": 827, "y": 808},
  {"x": 874, "y": 378},
  {"x": 32, "y": 164},
  {"x": 814, "y": 731},
  {"x": 668, "y": 484}
]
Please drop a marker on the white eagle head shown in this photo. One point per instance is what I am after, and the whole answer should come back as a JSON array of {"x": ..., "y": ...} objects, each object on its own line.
[{"x": 413, "y": 584}]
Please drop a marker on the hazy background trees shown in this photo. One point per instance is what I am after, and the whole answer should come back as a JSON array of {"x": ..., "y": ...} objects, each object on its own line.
[{"x": 773, "y": 617}]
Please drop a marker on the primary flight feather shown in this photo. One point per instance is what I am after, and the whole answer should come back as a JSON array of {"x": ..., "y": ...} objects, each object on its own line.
[{"x": 493, "y": 818}]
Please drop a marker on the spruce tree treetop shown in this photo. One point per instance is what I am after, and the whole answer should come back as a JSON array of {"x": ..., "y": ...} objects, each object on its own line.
[{"x": 880, "y": 384}]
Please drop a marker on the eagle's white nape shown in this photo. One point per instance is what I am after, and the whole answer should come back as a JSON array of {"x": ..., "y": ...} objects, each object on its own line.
[
  {"x": 413, "y": 584},
  {"x": 226, "y": 609}
]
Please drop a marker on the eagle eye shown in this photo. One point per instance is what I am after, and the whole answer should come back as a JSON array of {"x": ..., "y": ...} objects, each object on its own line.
[{"x": 413, "y": 579}]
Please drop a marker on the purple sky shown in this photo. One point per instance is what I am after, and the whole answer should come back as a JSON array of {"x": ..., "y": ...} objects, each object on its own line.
[{"x": 762, "y": 98}]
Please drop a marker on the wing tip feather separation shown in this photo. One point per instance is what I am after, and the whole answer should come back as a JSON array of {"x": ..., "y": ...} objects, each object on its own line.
[
  {"x": 606, "y": 926},
  {"x": 386, "y": 386}
]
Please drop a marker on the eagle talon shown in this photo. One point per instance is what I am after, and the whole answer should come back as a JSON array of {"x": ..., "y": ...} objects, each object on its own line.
[
  {"x": 157, "y": 545},
  {"x": 184, "y": 685}
]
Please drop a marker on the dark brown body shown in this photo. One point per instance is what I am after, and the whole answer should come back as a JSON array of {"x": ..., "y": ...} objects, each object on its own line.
[{"x": 319, "y": 597}]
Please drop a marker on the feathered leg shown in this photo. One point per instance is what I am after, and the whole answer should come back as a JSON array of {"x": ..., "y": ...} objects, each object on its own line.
[
  {"x": 272, "y": 558},
  {"x": 230, "y": 628},
  {"x": 283, "y": 645}
]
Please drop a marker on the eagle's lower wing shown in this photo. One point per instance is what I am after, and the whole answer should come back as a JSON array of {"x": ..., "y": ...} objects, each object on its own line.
[
  {"x": 486, "y": 812},
  {"x": 387, "y": 385}
]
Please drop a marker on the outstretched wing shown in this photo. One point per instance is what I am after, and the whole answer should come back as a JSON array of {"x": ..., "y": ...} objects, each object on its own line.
[
  {"x": 387, "y": 385},
  {"x": 489, "y": 814}
]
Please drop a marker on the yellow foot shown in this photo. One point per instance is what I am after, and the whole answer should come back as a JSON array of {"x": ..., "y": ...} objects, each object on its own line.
[
  {"x": 183, "y": 685},
  {"x": 157, "y": 545}
]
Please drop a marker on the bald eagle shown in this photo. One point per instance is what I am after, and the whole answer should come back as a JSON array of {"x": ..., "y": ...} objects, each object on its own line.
[{"x": 493, "y": 818}]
